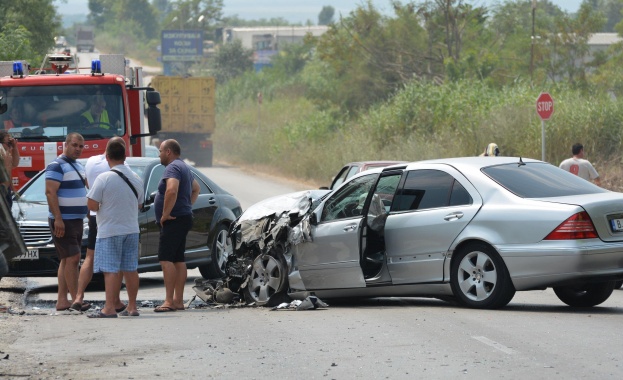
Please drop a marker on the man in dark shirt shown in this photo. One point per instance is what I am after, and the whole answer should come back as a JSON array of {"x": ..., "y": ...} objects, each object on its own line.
[{"x": 177, "y": 191}]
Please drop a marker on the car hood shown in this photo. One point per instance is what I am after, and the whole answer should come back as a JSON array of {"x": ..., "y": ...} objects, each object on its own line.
[{"x": 264, "y": 221}]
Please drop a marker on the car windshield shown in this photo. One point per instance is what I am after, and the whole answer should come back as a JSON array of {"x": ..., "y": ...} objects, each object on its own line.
[
  {"x": 48, "y": 113},
  {"x": 539, "y": 180},
  {"x": 35, "y": 192}
]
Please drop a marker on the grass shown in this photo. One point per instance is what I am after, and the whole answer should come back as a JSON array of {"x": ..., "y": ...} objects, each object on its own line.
[{"x": 292, "y": 137}]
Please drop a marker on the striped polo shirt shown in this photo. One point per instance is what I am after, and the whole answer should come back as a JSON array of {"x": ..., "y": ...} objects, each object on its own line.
[{"x": 72, "y": 195}]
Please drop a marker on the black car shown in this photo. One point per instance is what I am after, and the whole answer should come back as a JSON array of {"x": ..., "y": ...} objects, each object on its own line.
[{"x": 207, "y": 244}]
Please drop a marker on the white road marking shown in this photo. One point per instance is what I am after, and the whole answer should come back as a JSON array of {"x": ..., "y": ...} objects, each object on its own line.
[{"x": 494, "y": 344}]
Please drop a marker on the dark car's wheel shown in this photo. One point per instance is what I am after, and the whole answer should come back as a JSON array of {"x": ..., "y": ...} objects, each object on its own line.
[
  {"x": 268, "y": 279},
  {"x": 586, "y": 295},
  {"x": 221, "y": 249},
  {"x": 618, "y": 284},
  {"x": 479, "y": 278}
]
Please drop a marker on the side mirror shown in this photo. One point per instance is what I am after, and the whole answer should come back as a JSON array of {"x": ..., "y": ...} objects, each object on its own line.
[
  {"x": 313, "y": 219},
  {"x": 150, "y": 199},
  {"x": 154, "y": 119}
]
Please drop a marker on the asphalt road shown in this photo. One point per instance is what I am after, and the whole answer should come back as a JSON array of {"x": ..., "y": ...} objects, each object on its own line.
[{"x": 536, "y": 336}]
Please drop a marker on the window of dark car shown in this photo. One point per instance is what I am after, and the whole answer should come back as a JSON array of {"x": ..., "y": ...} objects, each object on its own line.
[
  {"x": 154, "y": 179},
  {"x": 425, "y": 189},
  {"x": 348, "y": 198},
  {"x": 35, "y": 192},
  {"x": 345, "y": 173},
  {"x": 204, "y": 189},
  {"x": 539, "y": 180}
]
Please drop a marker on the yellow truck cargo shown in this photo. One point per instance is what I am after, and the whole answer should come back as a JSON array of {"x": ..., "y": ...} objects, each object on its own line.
[{"x": 188, "y": 114}]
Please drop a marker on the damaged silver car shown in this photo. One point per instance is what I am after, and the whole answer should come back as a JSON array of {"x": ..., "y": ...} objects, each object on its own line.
[{"x": 474, "y": 230}]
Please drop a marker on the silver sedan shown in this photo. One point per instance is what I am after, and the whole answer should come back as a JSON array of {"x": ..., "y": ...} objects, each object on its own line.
[{"x": 473, "y": 229}]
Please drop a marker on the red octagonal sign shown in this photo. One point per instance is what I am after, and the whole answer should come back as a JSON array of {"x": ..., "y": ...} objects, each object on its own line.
[{"x": 544, "y": 106}]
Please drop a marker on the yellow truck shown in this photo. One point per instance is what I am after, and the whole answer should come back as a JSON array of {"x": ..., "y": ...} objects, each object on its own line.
[{"x": 188, "y": 114}]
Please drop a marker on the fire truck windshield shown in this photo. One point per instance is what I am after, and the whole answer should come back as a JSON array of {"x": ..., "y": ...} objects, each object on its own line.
[{"x": 48, "y": 113}]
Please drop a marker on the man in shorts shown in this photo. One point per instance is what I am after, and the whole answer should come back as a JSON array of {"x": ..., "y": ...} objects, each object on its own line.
[
  {"x": 66, "y": 194},
  {"x": 116, "y": 196},
  {"x": 177, "y": 191},
  {"x": 94, "y": 166}
]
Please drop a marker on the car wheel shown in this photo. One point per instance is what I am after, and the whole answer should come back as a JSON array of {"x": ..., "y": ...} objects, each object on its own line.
[
  {"x": 479, "y": 278},
  {"x": 268, "y": 280},
  {"x": 586, "y": 295},
  {"x": 221, "y": 249},
  {"x": 618, "y": 284}
]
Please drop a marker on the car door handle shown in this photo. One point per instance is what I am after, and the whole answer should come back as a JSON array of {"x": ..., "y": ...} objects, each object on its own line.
[
  {"x": 453, "y": 216},
  {"x": 352, "y": 227},
  {"x": 212, "y": 201}
]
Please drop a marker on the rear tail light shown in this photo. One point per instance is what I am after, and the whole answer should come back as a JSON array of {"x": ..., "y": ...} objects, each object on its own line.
[{"x": 579, "y": 226}]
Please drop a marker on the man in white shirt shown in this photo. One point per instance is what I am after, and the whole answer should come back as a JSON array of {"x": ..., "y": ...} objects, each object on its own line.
[
  {"x": 579, "y": 166},
  {"x": 117, "y": 196}
]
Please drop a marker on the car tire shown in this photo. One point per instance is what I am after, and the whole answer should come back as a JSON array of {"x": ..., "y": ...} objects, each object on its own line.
[
  {"x": 267, "y": 283},
  {"x": 587, "y": 295},
  {"x": 221, "y": 249},
  {"x": 618, "y": 284},
  {"x": 479, "y": 278}
]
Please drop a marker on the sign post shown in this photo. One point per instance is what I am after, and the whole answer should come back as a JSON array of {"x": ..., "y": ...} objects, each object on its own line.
[{"x": 545, "y": 109}]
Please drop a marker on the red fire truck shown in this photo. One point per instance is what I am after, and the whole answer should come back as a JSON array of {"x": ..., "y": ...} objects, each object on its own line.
[{"x": 41, "y": 108}]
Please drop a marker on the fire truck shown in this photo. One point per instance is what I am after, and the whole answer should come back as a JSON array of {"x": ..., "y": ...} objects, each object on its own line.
[{"x": 40, "y": 106}]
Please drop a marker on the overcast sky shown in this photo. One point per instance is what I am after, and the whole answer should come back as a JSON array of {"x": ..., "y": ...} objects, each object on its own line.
[{"x": 293, "y": 10}]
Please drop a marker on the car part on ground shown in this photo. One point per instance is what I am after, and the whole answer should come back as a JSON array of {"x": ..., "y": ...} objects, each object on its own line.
[{"x": 471, "y": 229}]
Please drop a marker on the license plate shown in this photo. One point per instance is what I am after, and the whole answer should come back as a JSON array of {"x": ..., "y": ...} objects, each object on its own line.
[
  {"x": 616, "y": 224},
  {"x": 32, "y": 254}
]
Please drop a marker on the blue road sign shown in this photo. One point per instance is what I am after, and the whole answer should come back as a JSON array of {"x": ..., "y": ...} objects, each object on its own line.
[{"x": 182, "y": 45}]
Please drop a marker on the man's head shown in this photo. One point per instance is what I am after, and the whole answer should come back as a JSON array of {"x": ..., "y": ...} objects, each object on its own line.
[
  {"x": 577, "y": 149},
  {"x": 6, "y": 139},
  {"x": 74, "y": 143},
  {"x": 98, "y": 104},
  {"x": 169, "y": 151},
  {"x": 115, "y": 151}
]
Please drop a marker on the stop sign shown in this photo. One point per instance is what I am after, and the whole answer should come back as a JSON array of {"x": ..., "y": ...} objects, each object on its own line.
[{"x": 545, "y": 106}]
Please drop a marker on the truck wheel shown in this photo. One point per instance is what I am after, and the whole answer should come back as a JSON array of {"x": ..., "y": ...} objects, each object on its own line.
[{"x": 204, "y": 157}]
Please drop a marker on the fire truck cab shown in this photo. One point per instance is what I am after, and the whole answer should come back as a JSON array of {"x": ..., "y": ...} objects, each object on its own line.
[{"x": 99, "y": 102}]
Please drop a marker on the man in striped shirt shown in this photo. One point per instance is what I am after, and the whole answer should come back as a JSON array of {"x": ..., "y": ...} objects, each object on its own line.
[{"x": 66, "y": 193}]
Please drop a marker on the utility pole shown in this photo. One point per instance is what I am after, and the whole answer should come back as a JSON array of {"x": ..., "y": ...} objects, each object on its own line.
[{"x": 532, "y": 42}]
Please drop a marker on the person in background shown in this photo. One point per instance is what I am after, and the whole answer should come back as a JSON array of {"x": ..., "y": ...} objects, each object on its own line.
[
  {"x": 10, "y": 156},
  {"x": 491, "y": 150},
  {"x": 96, "y": 116},
  {"x": 177, "y": 191},
  {"x": 16, "y": 115},
  {"x": 65, "y": 190},
  {"x": 580, "y": 166},
  {"x": 116, "y": 196}
]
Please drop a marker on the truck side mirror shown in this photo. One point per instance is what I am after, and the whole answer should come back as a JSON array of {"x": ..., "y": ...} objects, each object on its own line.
[{"x": 154, "y": 119}]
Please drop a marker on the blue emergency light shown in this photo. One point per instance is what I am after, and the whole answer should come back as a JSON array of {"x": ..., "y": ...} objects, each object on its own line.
[
  {"x": 18, "y": 68},
  {"x": 96, "y": 66}
]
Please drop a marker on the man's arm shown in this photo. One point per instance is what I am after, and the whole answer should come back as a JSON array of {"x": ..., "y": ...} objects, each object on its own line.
[
  {"x": 93, "y": 205},
  {"x": 170, "y": 196},
  {"x": 14, "y": 153},
  {"x": 195, "y": 192},
  {"x": 597, "y": 181},
  {"x": 51, "y": 193}
]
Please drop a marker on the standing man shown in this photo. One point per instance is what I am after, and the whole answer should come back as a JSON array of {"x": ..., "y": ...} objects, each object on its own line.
[
  {"x": 579, "y": 166},
  {"x": 177, "y": 191},
  {"x": 65, "y": 189},
  {"x": 94, "y": 166},
  {"x": 115, "y": 196},
  {"x": 10, "y": 155}
]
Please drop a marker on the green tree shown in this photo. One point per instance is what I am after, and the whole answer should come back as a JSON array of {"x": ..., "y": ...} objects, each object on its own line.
[
  {"x": 139, "y": 15},
  {"x": 325, "y": 17},
  {"x": 15, "y": 43},
  {"x": 37, "y": 17},
  {"x": 231, "y": 60}
]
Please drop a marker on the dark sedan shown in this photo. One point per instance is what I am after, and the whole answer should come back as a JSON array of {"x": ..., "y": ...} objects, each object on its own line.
[{"x": 207, "y": 245}]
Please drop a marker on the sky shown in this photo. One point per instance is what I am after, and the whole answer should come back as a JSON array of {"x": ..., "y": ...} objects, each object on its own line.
[{"x": 293, "y": 10}]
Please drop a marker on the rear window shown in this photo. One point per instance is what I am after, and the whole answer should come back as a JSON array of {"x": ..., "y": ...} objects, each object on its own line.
[{"x": 540, "y": 180}]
